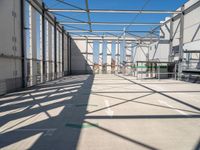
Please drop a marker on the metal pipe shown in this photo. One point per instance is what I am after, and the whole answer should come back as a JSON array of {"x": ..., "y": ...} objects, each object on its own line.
[
  {"x": 109, "y": 23},
  {"x": 23, "y": 51},
  {"x": 116, "y": 11},
  {"x": 43, "y": 42},
  {"x": 108, "y": 31},
  {"x": 55, "y": 48},
  {"x": 88, "y": 15}
]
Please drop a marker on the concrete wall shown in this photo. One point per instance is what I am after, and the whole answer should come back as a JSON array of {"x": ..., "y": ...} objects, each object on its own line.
[
  {"x": 82, "y": 55},
  {"x": 79, "y": 64},
  {"x": 10, "y": 46},
  {"x": 191, "y": 38},
  {"x": 191, "y": 34},
  {"x": 160, "y": 50},
  {"x": 140, "y": 53},
  {"x": 11, "y": 51}
]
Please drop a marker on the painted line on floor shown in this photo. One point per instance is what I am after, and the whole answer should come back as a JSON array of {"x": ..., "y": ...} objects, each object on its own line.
[
  {"x": 108, "y": 110},
  {"x": 179, "y": 111}
]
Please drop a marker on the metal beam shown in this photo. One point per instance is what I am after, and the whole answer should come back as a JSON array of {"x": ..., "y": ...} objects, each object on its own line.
[
  {"x": 107, "y": 31},
  {"x": 55, "y": 48},
  {"x": 68, "y": 53},
  {"x": 108, "y": 23},
  {"x": 111, "y": 38},
  {"x": 116, "y": 11},
  {"x": 181, "y": 43},
  {"x": 186, "y": 11},
  {"x": 43, "y": 44},
  {"x": 171, "y": 39},
  {"x": 23, "y": 51},
  {"x": 88, "y": 15},
  {"x": 63, "y": 50}
]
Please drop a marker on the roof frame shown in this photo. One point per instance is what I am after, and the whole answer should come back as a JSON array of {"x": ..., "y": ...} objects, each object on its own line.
[
  {"x": 77, "y": 9},
  {"x": 115, "y": 11}
]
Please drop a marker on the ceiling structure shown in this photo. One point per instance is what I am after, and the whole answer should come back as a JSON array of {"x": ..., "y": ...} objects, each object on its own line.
[{"x": 141, "y": 21}]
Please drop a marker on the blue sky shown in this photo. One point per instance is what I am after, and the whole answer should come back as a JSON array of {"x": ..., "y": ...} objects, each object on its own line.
[
  {"x": 114, "y": 17},
  {"x": 117, "y": 4}
]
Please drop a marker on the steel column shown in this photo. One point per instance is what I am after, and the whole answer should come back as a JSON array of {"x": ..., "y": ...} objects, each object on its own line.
[
  {"x": 86, "y": 55},
  {"x": 43, "y": 43},
  {"x": 181, "y": 42},
  {"x": 23, "y": 51},
  {"x": 63, "y": 48},
  {"x": 171, "y": 39},
  {"x": 88, "y": 14},
  {"x": 68, "y": 54},
  {"x": 55, "y": 46}
]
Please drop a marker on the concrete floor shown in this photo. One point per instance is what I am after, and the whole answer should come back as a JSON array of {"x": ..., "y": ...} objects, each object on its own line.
[{"x": 105, "y": 112}]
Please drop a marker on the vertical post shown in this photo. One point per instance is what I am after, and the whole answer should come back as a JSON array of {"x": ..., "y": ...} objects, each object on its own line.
[
  {"x": 55, "y": 46},
  {"x": 132, "y": 48},
  {"x": 158, "y": 72},
  {"x": 171, "y": 39},
  {"x": 175, "y": 70},
  {"x": 118, "y": 56},
  {"x": 141, "y": 70},
  {"x": 136, "y": 70},
  {"x": 24, "y": 63},
  {"x": 124, "y": 54},
  {"x": 86, "y": 55},
  {"x": 31, "y": 74},
  {"x": 70, "y": 55},
  {"x": 43, "y": 43},
  {"x": 181, "y": 42},
  {"x": 63, "y": 49}
]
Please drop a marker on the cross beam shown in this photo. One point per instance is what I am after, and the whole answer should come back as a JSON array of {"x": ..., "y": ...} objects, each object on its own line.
[
  {"x": 110, "y": 23},
  {"x": 71, "y": 31},
  {"x": 115, "y": 11}
]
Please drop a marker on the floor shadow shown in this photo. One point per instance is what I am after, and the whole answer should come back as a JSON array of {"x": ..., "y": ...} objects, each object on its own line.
[
  {"x": 135, "y": 100},
  {"x": 123, "y": 137},
  {"x": 46, "y": 110},
  {"x": 163, "y": 94},
  {"x": 197, "y": 146},
  {"x": 145, "y": 117}
]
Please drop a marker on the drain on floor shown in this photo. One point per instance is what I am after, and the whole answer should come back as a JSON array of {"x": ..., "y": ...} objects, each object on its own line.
[{"x": 83, "y": 125}]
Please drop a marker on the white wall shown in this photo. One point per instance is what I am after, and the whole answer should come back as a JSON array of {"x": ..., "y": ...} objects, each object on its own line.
[
  {"x": 79, "y": 64},
  {"x": 10, "y": 45}
]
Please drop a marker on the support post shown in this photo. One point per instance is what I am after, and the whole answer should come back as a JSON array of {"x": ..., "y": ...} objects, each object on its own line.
[
  {"x": 118, "y": 57},
  {"x": 55, "y": 46},
  {"x": 23, "y": 51},
  {"x": 43, "y": 44},
  {"x": 86, "y": 55},
  {"x": 181, "y": 42},
  {"x": 124, "y": 54},
  {"x": 63, "y": 49},
  {"x": 68, "y": 54},
  {"x": 171, "y": 40}
]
